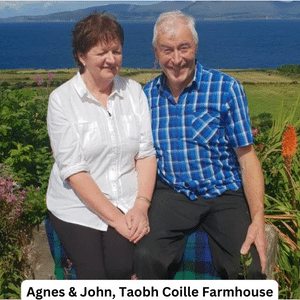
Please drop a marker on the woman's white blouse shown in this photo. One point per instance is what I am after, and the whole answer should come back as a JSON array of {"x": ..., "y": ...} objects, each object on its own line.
[{"x": 103, "y": 142}]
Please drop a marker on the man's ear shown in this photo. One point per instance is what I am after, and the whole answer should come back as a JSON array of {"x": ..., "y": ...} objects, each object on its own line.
[
  {"x": 155, "y": 52},
  {"x": 196, "y": 51},
  {"x": 156, "y": 58}
]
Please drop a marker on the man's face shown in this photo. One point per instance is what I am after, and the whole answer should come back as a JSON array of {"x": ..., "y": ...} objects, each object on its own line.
[{"x": 176, "y": 51}]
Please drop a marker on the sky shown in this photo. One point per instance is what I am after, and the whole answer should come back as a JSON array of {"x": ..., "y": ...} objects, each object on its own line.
[{"x": 32, "y": 8}]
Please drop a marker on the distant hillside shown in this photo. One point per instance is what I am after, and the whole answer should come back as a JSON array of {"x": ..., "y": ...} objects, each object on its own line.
[{"x": 201, "y": 10}]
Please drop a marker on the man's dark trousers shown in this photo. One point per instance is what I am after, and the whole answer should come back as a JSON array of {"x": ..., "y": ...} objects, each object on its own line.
[{"x": 173, "y": 217}]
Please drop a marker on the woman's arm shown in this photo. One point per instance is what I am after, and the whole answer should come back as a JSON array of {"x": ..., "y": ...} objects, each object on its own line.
[
  {"x": 88, "y": 191},
  {"x": 137, "y": 217}
]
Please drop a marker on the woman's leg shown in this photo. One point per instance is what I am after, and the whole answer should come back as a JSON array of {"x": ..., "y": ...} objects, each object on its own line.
[
  {"x": 83, "y": 246},
  {"x": 118, "y": 255},
  {"x": 64, "y": 269}
]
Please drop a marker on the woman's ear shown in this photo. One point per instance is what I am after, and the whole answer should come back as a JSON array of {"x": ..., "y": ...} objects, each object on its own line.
[{"x": 81, "y": 58}]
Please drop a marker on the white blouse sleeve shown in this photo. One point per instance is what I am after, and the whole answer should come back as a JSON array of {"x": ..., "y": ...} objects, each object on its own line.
[
  {"x": 146, "y": 141},
  {"x": 64, "y": 140}
]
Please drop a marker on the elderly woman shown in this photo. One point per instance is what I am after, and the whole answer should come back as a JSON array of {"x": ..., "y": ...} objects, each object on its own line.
[{"x": 103, "y": 177}]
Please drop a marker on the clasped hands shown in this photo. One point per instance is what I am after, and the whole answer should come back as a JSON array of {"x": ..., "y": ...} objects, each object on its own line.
[{"x": 135, "y": 223}]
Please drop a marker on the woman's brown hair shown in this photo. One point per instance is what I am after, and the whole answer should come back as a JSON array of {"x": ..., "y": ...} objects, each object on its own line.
[{"x": 97, "y": 27}]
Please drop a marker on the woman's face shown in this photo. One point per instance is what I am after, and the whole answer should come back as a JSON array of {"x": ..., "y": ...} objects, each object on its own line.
[{"x": 103, "y": 61}]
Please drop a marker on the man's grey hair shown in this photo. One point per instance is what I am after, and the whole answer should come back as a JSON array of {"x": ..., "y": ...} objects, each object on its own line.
[{"x": 167, "y": 18}]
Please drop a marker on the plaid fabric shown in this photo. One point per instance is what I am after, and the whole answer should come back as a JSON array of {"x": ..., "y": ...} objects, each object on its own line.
[
  {"x": 197, "y": 261},
  {"x": 63, "y": 266},
  {"x": 194, "y": 138}
]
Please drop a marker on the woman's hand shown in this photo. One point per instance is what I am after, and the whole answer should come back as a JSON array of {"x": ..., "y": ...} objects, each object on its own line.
[
  {"x": 137, "y": 220},
  {"x": 89, "y": 192},
  {"x": 122, "y": 228}
]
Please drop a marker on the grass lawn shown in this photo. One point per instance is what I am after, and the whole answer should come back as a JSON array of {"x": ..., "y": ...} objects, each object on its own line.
[
  {"x": 269, "y": 91},
  {"x": 273, "y": 98}
]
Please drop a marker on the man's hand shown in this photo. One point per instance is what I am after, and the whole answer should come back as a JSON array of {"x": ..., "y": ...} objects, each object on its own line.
[{"x": 256, "y": 235}]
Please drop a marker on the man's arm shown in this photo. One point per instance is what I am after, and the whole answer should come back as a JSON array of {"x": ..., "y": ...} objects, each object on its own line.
[{"x": 253, "y": 183}]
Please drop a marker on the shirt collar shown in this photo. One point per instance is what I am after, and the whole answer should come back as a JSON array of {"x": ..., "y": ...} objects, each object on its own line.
[
  {"x": 198, "y": 75},
  {"x": 162, "y": 80},
  {"x": 83, "y": 92}
]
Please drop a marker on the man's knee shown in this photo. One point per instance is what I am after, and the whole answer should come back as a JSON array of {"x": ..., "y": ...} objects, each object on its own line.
[
  {"x": 142, "y": 254},
  {"x": 148, "y": 264},
  {"x": 120, "y": 270}
]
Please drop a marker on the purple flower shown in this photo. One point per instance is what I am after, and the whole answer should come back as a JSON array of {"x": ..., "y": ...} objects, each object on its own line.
[
  {"x": 50, "y": 77},
  {"x": 18, "y": 212},
  {"x": 23, "y": 195},
  {"x": 10, "y": 191},
  {"x": 255, "y": 132},
  {"x": 39, "y": 79},
  {"x": 2, "y": 181},
  {"x": 11, "y": 199}
]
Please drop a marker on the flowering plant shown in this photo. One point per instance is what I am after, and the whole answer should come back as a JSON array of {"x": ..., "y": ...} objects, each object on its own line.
[
  {"x": 20, "y": 211},
  {"x": 14, "y": 237},
  {"x": 277, "y": 150}
]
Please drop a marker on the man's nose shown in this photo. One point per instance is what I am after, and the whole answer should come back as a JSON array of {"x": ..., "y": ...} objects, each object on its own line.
[{"x": 177, "y": 57}]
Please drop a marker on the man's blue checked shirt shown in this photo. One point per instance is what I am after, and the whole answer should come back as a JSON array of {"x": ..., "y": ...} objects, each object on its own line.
[{"x": 195, "y": 138}]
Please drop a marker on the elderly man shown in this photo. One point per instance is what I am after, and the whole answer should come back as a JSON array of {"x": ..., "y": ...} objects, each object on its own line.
[{"x": 208, "y": 172}]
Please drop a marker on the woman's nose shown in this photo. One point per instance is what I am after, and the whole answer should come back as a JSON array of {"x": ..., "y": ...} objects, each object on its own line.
[{"x": 110, "y": 58}]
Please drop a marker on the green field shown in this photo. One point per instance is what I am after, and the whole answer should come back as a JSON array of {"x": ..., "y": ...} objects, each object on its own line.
[{"x": 268, "y": 91}]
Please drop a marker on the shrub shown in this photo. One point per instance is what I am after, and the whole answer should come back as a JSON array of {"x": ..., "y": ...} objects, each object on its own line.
[
  {"x": 263, "y": 121},
  {"x": 289, "y": 69},
  {"x": 5, "y": 84},
  {"x": 19, "y": 85},
  {"x": 24, "y": 141}
]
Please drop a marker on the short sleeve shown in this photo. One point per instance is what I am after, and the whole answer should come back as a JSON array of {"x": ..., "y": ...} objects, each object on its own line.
[{"x": 237, "y": 120}]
